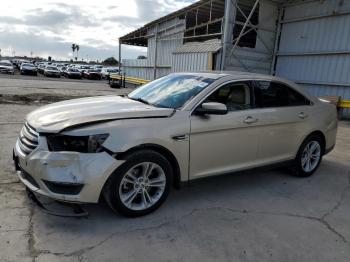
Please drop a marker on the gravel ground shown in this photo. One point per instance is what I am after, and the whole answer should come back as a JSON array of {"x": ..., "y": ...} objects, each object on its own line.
[{"x": 254, "y": 216}]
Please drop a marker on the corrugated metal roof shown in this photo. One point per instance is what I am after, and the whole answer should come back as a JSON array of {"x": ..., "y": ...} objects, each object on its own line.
[{"x": 200, "y": 47}]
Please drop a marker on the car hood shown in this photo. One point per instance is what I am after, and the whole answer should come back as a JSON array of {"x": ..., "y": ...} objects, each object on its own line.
[
  {"x": 6, "y": 67},
  {"x": 59, "y": 116},
  {"x": 52, "y": 71}
]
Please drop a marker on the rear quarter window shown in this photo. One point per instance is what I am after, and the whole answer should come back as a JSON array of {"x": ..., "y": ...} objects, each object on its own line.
[{"x": 275, "y": 94}]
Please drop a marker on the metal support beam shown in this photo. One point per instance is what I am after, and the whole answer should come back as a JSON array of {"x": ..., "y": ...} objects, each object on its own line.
[
  {"x": 226, "y": 39},
  {"x": 308, "y": 18},
  {"x": 277, "y": 41},
  {"x": 155, "y": 53},
  {"x": 242, "y": 33},
  {"x": 245, "y": 25},
  {"x": 317, "y": 53}
]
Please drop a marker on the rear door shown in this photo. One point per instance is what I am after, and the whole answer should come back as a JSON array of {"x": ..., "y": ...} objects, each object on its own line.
[{"x": 283, "y": 119}]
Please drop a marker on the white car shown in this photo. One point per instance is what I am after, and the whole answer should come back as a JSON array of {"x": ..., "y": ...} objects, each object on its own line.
[
  {"x": 107, "y": 71},
  {"x": 131, "y": 150},
  {"x": 6, "y": 67},
  {"x": 52, "y": 71}
]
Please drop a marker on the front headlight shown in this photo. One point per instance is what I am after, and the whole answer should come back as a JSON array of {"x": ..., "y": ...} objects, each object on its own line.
[{"x": 82, "y": 144}]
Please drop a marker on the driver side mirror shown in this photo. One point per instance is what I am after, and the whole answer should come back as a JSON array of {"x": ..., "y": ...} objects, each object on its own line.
[{"x": 211, "y": 108}]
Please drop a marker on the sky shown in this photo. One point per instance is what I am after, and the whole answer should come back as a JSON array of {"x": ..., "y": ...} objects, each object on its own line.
[{"x": 49, "y": 28}]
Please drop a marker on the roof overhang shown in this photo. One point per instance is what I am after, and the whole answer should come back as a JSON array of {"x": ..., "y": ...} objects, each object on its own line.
[{"x": 139, "y": 36}]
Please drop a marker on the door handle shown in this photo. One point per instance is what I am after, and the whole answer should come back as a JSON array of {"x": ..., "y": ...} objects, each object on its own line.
[
  {"x": 302, "y": 115},
  {"x": 250, "y": 120},
  {"x": 181, "y": 137}
]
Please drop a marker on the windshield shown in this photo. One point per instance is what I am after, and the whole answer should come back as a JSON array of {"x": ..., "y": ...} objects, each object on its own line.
[
  {"x": 171, "y": 91},
  {"x": 30, "y": 65},
  {"x": 51, "y": 68}
]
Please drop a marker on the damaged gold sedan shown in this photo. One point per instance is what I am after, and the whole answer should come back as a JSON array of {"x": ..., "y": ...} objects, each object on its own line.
[{"x": 131, "y": 150}]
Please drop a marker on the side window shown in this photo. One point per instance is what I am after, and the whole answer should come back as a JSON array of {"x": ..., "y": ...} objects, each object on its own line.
[
  {"x": 236, "y": 96},
  {"x": 269, "y": 94},
  {"x": 273, "y": 94},
  {"x": 297, "y": 99}
]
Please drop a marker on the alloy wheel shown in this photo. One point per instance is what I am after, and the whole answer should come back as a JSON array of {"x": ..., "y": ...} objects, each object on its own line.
[
  {"x": 142, "y": 186},
  {"x": 311, "y": 156}
]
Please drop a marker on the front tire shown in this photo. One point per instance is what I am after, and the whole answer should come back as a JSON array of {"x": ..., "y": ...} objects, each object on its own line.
[
  {"x": 140, "y": 185},
  {"x": 309, "y": 156}
]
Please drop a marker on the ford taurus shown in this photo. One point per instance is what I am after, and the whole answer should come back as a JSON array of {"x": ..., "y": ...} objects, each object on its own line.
[{"x": 133, "y": 149}]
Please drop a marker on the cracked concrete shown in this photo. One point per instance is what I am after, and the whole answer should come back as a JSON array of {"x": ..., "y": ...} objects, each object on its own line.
[{"x": 254, "y": 216}]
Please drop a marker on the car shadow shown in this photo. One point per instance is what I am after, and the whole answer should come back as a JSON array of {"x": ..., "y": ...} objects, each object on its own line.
[
  {"x": 238, "y": 196},
  {"x": 237, "y": 190}
]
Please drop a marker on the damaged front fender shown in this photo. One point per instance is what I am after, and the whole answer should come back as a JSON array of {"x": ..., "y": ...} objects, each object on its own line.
[{"x": 91, "y": 170}]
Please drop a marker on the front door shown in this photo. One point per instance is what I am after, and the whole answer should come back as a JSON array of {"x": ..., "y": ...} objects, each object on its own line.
[{"x": 225, "y": 143}]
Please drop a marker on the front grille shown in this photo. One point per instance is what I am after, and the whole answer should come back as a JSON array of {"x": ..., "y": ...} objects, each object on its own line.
[
  {"x": 28, "y": 139},
  {"x": 64, "y": 188}
]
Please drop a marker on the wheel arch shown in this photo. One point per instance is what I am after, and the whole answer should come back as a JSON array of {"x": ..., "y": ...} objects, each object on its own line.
[
  {"x": 319, "y": 134},
  {"x": 163, "y": 151}
]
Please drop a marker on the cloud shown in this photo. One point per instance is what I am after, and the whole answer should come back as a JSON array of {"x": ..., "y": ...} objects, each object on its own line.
[
  {"x": 58, "y": 48},
  {"x": 49, "y": 28}
]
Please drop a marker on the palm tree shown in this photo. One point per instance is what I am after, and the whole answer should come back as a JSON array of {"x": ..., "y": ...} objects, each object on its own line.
[
  {"x": 73, "y": 48},
  {"x": 77, "y": 47}
]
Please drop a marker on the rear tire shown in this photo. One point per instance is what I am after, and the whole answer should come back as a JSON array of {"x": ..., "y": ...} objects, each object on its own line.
[
  {"x": 140, "y": 185},
  {"x": 309, "y": 156}
]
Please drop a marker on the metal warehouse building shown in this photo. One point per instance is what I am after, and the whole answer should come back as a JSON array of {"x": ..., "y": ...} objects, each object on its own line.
[{"x": 305, "y": 41}]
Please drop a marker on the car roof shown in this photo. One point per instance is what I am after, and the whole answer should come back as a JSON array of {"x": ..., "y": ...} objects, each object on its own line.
[
  {"x": 239, "y": 75},
  {"x": 233, "y": 74}
]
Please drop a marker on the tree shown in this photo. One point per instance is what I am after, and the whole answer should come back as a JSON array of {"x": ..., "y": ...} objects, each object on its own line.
[
  {"x": 141, "y": 57},
  {"x": 77, "y": 47},
  {"x": 111, "y": 61},
  {"x": 73, "y": 48}
]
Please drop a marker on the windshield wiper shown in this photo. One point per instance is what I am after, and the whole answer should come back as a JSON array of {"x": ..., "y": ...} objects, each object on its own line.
[{"x": 139, "y": 99}]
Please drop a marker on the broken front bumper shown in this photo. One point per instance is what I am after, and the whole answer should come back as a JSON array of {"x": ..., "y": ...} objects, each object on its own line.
[{"x": 65, "y": 176}]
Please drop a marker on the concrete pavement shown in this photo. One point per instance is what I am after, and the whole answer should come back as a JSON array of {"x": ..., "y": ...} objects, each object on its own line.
[{"x": 254, "y": 216}]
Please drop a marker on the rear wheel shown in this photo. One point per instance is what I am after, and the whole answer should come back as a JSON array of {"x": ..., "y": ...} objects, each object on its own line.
[
  {"x": 140, "y": 185},
  {"x": 309, "y": 156}
]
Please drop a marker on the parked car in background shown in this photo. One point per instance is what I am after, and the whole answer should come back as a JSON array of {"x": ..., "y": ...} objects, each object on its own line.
[
  {"x": 107, "y": 71},
  {"x": 51, "y": 71},
  {"x": 83, "y": 68},
  {"x": 6, "y": 67},
  {"x": 28, "y": 69},
  {"x": 62, "y": 70},
  {"x": 132, "y": 150},
  {"x": 72, "y": 73},
  {"x": 41, "y": 68},
  {"x": 98, "y": 67},
  {"x": 92, "y": 74}
]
